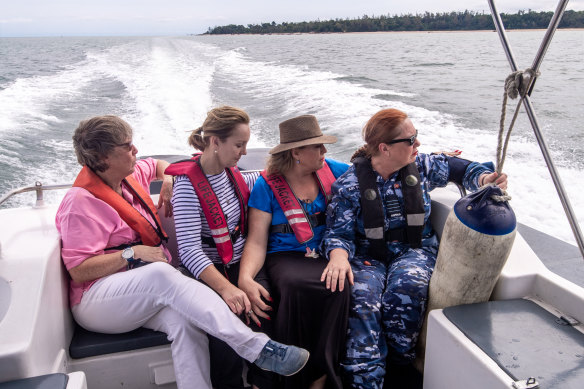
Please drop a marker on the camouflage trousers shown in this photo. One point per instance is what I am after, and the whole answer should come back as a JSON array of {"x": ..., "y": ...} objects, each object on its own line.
[{"x": 388, "y": 304}]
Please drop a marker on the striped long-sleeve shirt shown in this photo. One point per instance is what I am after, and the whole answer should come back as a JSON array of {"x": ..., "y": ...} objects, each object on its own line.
[{"x": 191, "y": 224}]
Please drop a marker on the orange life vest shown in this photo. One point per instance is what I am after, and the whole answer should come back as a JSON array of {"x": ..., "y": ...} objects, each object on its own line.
[
  {"x": 149, "y": 235},
  {"x": 210, "y": 203},
  {"x": 290, "y": 204}
]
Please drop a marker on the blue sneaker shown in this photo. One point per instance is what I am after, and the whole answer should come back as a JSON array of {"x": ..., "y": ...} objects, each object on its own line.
[{"x": 282, "y": 359}]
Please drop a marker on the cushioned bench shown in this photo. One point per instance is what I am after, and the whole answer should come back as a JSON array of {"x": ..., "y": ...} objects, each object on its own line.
[
  {"x": 88, "y": 344},
  {"x": 525, "y": 340},
  {"x": 49, "y": 381}
]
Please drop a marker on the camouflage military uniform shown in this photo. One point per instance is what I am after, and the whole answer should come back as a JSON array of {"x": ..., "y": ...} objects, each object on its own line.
[{"x": 388, "y": 297}]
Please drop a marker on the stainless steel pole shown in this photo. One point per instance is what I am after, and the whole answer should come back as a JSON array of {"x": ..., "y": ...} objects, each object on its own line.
[{"x": 531, "y": 112}]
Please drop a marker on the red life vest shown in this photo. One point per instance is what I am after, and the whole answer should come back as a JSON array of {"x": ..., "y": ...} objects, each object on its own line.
[
  {"x": 149, "y": 234},
  {"x": 210, "y": 203},
  {"x": 289, "y": 203}
]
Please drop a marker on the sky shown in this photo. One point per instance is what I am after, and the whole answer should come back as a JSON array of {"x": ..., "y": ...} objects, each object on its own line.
[{"x": 180, "y": 17}]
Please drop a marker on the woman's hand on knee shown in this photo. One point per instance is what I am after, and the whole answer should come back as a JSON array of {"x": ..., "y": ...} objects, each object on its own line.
[
  {"x": 337, "y": 271},
  {"x": 236, "y": 299},
  {"x": 255, "y": 292}
]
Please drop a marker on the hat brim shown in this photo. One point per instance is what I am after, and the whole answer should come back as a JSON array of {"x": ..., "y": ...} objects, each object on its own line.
[{"x": 323, "y": 139}]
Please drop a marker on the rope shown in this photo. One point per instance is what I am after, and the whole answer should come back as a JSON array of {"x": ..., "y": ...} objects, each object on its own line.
[
  {"x": 498, "y": 198},
  {"x": 516, "y": 84}
]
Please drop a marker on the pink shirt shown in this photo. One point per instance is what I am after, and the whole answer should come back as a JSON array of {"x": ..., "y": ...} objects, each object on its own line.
[{"x": 89, "y": 225}]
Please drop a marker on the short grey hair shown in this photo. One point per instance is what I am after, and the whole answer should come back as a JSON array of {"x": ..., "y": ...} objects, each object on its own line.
[{"x": 95, "y": 138}]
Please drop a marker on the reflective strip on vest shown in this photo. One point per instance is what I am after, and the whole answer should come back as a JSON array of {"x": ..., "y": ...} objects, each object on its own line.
[
  {"x": 223, "y": 239},
  {"x": 298, "y": 220},
  {"x": 374, "y": 233},
  {"x": 416, "y": 219},
  {"x": 220, "y": 231},
  {"x": 295, "y": 211}
]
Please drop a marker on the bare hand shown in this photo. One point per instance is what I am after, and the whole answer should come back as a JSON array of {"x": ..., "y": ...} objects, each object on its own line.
[
  {"x": 337, "y": 270},
  {"x": 236, "y": 299},
  {"x": 149, "y": 253},
  {"x": 255, "y": 292},
  {"x": 165, "y": 196},
  {"x": 454, "y": 153},
  {"x": 500, "y": 181}
]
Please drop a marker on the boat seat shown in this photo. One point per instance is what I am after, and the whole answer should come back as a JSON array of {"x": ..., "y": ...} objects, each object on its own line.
[
  {"x": 525, "y": 340},
  {"x": 49, "y": 381},
  {"x": 89, "y": 344}
]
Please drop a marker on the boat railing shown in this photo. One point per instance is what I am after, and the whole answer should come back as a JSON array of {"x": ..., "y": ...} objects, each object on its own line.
[
  {"x": 552, "y": 27},
  {"x": 461, "y": 189},
  {"x": 38, "y": 187}
]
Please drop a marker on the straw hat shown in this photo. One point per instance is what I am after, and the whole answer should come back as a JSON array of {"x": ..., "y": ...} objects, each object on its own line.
[{"x": 301, "y": 131}]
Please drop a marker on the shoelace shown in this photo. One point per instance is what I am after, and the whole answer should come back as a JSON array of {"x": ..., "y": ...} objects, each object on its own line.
[{"x": 280, "y": 352}]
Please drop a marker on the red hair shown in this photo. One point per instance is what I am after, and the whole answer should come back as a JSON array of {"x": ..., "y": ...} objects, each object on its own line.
[{"x": 383, "y": 127}]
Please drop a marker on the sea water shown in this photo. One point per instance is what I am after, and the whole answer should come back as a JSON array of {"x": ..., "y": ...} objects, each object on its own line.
[{"x": 450, "y": 84}]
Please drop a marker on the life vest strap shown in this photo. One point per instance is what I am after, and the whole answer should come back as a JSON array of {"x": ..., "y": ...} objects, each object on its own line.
[
  {"x": 234, "y": 235},
  {"x": 393, "y": 235},
  {"x": 123, "y": 246},
  {"x": 413, "y": 203},
  {"x": 315, "y": 220},
  {"x": 397, "y": 235}
]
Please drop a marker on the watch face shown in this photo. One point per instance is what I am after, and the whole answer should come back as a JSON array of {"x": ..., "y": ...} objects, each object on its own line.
[{"x": 128, "y": 254}]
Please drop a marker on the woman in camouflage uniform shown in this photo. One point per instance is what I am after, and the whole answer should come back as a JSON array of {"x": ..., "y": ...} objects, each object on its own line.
[{"x": 391, "y": 262}]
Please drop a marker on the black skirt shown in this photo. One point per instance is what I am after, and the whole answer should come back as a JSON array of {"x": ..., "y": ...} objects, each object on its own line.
[{"x": 306, "y": 314}]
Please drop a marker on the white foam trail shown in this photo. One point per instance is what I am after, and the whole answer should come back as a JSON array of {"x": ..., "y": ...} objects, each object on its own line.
[
  {"x": 339, "y": 105},
  {"x": 25, "y": 104},
  {"x": 167, "y": 85}
]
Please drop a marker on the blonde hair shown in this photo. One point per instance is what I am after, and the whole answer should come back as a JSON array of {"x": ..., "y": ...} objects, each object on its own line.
[
  {"x": 220, "y": 122},
  {"x": 383, "y": 127},
  {"x": 280, "y": 163}
]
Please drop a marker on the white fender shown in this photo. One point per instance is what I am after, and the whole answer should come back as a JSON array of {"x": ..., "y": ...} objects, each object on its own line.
[{"x": 476, "y": 241}]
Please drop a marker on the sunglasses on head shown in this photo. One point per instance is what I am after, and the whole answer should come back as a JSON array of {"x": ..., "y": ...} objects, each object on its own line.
[{"x": 411, "y": 140}]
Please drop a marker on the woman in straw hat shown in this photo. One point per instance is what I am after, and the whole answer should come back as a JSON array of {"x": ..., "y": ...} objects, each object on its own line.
[{"x": 295, "y": 297}]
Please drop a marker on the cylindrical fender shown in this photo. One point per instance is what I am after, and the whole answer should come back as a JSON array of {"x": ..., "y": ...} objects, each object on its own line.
[{"x": 477, "y": 238}]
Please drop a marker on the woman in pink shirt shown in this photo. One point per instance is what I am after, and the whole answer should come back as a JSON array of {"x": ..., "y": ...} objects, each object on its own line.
[{"x": 109, "y": 228}]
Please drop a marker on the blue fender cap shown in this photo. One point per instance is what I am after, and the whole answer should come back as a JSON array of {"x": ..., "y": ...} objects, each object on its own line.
[{"x": 480, "y": 212}]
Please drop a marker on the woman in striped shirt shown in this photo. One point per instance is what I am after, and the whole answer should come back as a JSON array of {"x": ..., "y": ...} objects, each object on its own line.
[{"x": 209, "y": 232}]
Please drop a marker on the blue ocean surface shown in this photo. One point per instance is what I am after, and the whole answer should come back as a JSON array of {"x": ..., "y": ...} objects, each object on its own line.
[{"x": 450, "y": 84}]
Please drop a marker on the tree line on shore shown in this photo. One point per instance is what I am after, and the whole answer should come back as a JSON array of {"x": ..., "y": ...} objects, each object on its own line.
[{"x": 448, "y": 21}]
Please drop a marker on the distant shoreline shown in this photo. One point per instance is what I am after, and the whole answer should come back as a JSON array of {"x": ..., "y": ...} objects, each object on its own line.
[
  {"x": 424, "y": 22},
  {"x": 390, "y": 32}
]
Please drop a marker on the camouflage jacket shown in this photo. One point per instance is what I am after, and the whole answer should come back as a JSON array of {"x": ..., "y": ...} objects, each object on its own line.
[{"x": 344, "y": 222}]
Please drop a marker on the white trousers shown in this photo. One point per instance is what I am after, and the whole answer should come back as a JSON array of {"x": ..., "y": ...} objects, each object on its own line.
[{"x": 159, "y": 297}]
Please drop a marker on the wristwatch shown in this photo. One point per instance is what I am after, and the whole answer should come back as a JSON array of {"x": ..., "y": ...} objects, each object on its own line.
[{"x": 128, "y": 255}]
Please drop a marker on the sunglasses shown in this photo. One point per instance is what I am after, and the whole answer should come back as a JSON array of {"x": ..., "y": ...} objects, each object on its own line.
[
  {"x": 411, "y": 140},
  {"x": 128, "y": 145}
]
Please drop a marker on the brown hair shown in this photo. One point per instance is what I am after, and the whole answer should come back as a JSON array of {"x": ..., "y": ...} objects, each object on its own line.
[
  {"x": 95, "y": 138},
  {"x": 220, "y": 122},
  {"x": 383, "y": 127}
]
